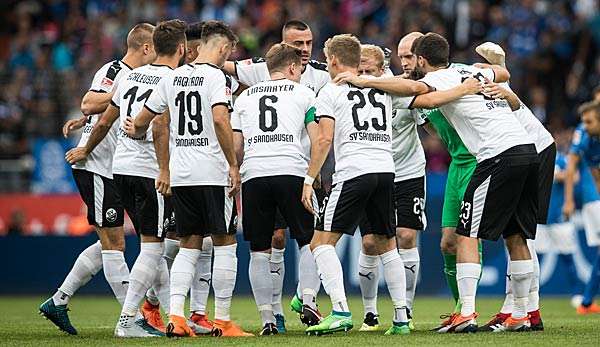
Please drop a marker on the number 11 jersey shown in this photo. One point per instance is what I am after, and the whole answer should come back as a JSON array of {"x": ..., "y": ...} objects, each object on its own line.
[
  {"x": 362, "y": 141},
  {"x": 189, "y": 93}
]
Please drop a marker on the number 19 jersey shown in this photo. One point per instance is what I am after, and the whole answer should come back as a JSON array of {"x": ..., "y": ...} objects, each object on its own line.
[
  {"x": 272, "y": 116},
  {"x": 189, "y": 93},
  {"x": 363, "y": 134}
]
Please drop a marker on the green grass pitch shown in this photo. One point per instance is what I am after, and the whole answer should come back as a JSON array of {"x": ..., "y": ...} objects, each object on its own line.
[{"x": 95, "y": 318}]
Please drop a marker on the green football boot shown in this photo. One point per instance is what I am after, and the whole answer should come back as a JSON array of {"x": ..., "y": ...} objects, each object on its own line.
[
  {"x": 331, "y": 324},
  {"x": 400, "y": 329},
  {"x": 296, "y": 304},
  {"x": 57, "y": 315}
]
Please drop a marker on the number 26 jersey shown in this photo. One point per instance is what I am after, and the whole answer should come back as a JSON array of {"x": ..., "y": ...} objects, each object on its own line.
[
  {"x": 362, "y": 141},
  {"x": 189, "y": 93}
]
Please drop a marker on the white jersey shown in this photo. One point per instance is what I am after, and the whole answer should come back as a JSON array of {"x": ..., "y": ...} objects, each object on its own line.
[
  {"x": 487, "y": 126},
  {"x": 136, "y": 156},
  {"x": 409, "y": 156},
  {"x": 539, "y": 135},
  {"x": 254, "y": 70},
  {"x": 363, "y": 134},
  {"x": 101, "y": 159},
  {"x": 189, "y": 93},
  {"x": 272, "y": 141}
]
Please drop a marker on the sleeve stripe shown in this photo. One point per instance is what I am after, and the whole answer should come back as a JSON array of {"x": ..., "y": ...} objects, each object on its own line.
[
  {"x": 431, "y": 89},
  {"x": 220, "y": 104},
  {"x": 237, "y": 130},
  {"x": 425, "y": 122},
  {"x": 98, "y": 91},
  {"x": 151, "y": 110},
  {"x": 410, "y": 106},
  {"x": 113, "y": 103},
  {"x": 326, "y": 116}
]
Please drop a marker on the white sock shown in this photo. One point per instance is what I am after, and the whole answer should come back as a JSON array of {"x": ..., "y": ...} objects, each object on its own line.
[
  {"x": 201, "y": 285},
  {"x": 507, "y": 305},
  {"x": 330, "y": 270},
  {"x": 142, "y": 275},
  {"x": 412, "y": 264},
  {"x": 368, "y": 279},
  {"x": 396, "y": 283},
  {"x": 152, "y": 296},
  {"x": 182, "y": 275},
  {"x": 262, "y": 285},
  {"x": 277, "y": 271},
  {"x": 162, "y": 285},
  {"x": 88, "y": 263},
  {"x": 534, "y": 291},
  {"x": 116, "y": 273},
  {"x": 521, "y": 274},
  {"x": 224, "y": 275},
  {"x": 467, "y": 276},
  {"x": 171, "y": 249},
  {"x": 309, "y": 282}
]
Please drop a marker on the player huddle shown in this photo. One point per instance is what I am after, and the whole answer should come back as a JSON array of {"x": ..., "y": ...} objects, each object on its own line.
[{"x": 164, "y": 141}]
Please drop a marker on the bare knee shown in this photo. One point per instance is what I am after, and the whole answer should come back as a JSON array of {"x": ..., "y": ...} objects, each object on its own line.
[
  {"x": 223, "y": 240},
  {"x": 517, "y": 247},
  {"x": 448, "y": 241},
  {"x": 112, "y": 239},
  {"x": 191, "y": 242},
  {"x": 368, "y": 245},
  {"x": 278, "y": 239},
  {"x": 406, "y": 238}
]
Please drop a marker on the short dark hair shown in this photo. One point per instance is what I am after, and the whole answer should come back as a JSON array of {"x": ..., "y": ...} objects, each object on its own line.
[
  {"x": 281, "y": 55},
  {"x": 589, "y": 106},
  {"x": 194, "y": 31},
  {"x": 295, "y": 24},
  {"x": 168, "y": 35},
  {"x": 434, "y": 48},
  {"x": 413, "y": 47},
  {"x": 212, "y": 28}
]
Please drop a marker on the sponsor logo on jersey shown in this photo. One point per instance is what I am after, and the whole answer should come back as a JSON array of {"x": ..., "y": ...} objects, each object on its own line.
[
  {"x": 111, "y": 215},
  {"x": 106, "y": 82}
]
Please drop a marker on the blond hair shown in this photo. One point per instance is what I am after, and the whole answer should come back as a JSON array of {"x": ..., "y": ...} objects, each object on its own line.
[
  {"x": 345, "y": 47},
  {"x": 374, "y": 52}
]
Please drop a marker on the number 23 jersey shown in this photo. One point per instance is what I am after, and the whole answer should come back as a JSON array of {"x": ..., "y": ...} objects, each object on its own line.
[
  {"x": 362, "y": 141},
  {"x": 189, "y": 93}
]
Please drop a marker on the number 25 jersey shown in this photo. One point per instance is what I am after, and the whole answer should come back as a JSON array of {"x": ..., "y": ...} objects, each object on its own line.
[
  {"x": 189, "y": 93},
  {"x": 362, "y": 141}
]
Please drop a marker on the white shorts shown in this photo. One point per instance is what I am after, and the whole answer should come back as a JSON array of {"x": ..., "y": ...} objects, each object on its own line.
[
  {"x": 560, "y": 238},
  {"x": 591, "y": 222}
]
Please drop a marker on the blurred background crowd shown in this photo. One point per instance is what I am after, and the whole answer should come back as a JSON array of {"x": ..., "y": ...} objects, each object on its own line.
[{"x": 50, "y": 49}]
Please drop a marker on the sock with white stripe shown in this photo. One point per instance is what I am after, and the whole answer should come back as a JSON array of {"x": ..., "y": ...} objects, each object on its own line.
[
  {"x": 142, "y": 275},
  {"x": 368, "y": 279},
  {"x": 88, "y": 263},
  {"x": 330, "y": 270},
  {"x": 396, "y": 283},
  {"x": 201, "y": 285},
  {"x": 277, "y": 271},
  {"x": 521, "y": 274},
  {"x": 507, "y": 305},
  {"x": 534, "y": 290},
  {"x": 412, "y": 264},
  {"x": 467, "y": 276},
  {"x": 224, "y": 276},
  {"x": 116, "y": 273},
  {"x": 262, "y": 285},
  {"x": 182, "y": 275},
  {"x": 309, "y": 282}
]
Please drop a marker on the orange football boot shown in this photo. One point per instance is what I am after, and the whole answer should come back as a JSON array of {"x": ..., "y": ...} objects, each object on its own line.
[
  {"x": 228, "y": 329},
  {"x": 178, "y": 327},
  {"x": 152, "y": 315},
  {"x": 202, "y": 324},
  {"x": 592, "y": 309}
]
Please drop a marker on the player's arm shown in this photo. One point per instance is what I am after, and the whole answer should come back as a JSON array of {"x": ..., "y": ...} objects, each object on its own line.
[
  {"x": 160, "y": 136},
  {"x": 225, "y": 138},
  {"x": 439, "y": 98},
  {"x": 569, "y": 182},
  {"x": 238, "y": 144},
  {"x": 229, "y": 67},
  {"x": 318, "y": 153},
  {"x": 394, "y": 85},
  {"x": 101, "y": 128},
  {"x": 94, "y": 102},
  {"x": 74, "y": 124},
  {"x": 136, "y": 127},
  {"x": 496, "y": 91},
  {"x": 501, "y": 74}
]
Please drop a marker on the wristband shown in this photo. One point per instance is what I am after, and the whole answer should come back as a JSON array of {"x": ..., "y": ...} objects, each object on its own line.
[{"x": 308, "y": 180}]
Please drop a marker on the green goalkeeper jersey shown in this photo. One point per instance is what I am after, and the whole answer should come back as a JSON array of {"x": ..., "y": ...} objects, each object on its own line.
[{"x": 456, "y": 148}]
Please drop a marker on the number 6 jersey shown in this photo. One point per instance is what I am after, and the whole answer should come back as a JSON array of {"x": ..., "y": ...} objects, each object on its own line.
[
  {"x": 189, "y": 93},
  {"x": 362, "y": 141}
]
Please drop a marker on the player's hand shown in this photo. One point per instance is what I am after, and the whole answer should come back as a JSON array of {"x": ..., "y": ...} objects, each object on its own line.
[
  {"x": 568, "y": 208},
  {"x": 307, "y": 192},
  {"x": 234, "y": 177},
  {"x": 163, "y": 182},
  {"x": 494, "y": 90},
  {"x": 73, "y": 124},
  {"x": 76, "y": 154},
  {"x": 471, "y": 86},
  {"x": 129, "y": 127},
  {"x": 349, "y": 77}
]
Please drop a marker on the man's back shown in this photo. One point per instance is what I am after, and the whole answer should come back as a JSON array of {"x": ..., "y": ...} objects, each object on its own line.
[
  {"x": 189, "y": 93},
  {"x": 273, "y": 139},
  {"x": 363, "y": 136}
]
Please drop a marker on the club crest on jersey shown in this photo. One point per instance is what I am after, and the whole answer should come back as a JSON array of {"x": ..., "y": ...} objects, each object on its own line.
[
  {"x": 111, "y": 215},
  {"x": 227, "y": 91},
  {"x": 106, "y": 82}
]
